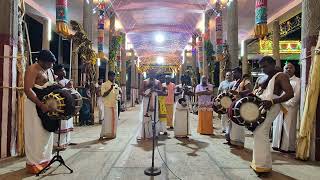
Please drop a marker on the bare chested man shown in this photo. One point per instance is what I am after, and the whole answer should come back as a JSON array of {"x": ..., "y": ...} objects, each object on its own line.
[
  {"x": 38, "y": 141},
  {"x": 276, "y": 89}
]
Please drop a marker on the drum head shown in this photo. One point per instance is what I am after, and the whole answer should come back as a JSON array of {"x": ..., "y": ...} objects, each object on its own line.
[
  {"x": 249, "y": 111},
  {"x": 222, "y": 102},
  {"x": 226, "y": 102}
]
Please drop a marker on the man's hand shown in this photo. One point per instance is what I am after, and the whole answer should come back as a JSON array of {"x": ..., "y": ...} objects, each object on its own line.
[
  {"x": 266, "y": 104},
  {"x": 234, "y": 92}
]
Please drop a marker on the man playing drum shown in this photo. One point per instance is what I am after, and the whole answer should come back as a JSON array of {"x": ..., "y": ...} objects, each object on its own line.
[
  {"x": 241, "y": 87},
  {"x": 223, "y": 87},
  {"x": 38, "y": 141},
  {"x": 276, "y": 90}
]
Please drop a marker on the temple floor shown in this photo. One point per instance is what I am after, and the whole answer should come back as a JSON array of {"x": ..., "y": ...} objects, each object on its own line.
[{"x": 197, "y": 158}]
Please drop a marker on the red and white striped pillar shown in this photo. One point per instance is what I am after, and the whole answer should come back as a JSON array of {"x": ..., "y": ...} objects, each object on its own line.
[{"x": 8, "y": 75}]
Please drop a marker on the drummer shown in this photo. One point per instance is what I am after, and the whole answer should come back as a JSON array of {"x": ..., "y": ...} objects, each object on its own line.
[
  {"x": 224, "y": 86},
  {"x": 276, "y": 90},
  {"x": 236, "y": 134},
  {"x": 66, "y": 126}
]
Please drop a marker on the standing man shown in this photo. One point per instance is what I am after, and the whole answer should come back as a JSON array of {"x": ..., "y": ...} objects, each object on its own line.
[
  {"x": 169, "y": 100},
  {"x": 100, "y": 101},
  {"x": 223, "y": 87},
  {"x": 276, "y": 90},
  {"x": 241, "y": 87},
  {"x": 66, "y": 126},
  {"x": 204, "y": 91},
  {"x": 110, "y": 92},
  {"x": 38, "y": 141},
  {"x": 284, "y": 127},
  {"x": 150, "y": 89}
]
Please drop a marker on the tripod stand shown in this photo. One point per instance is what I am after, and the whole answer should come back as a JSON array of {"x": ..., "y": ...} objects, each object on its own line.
[
  {"x": 153, "y": 171},
  {"x": 56, "y": 157}
]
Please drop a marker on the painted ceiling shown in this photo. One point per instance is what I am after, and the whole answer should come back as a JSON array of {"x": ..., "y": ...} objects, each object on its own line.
[{"x": 173, "y": 20}]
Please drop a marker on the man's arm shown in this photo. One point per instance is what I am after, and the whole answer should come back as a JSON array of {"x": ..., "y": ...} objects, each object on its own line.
[{"x": 283, "y": 81}]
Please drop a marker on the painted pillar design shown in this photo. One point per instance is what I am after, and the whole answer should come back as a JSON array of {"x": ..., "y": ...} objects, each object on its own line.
[
  {"x": 232, "y": 35},
  {"x": 62, "y": 17},
  {"x": 261, "y": 27}
]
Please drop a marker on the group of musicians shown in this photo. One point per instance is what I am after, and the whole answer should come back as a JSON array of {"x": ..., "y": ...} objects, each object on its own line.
[
  {"x": 278, "y": 92},
  {"x": 169, "y": 105}
]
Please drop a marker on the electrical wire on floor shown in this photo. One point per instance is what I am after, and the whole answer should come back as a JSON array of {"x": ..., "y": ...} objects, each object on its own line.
[{"x": 166, "y": 163}]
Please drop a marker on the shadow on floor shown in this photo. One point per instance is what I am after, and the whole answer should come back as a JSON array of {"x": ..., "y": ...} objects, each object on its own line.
[
  {"x": 16, "y": 175},
  {"x": 197, "y": 145}
]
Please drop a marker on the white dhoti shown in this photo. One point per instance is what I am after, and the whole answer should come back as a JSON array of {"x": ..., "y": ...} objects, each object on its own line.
[
  {"x": 100, "y": 107},
  {"x": 109, "y": 123},
  {"x": 38, "y": 141},
  {"x": 237, "y": 134},
  {"x": 224, "y": 122},
  {"x": 284, "y": 130},
  {"x": 146, "y": 131},
  {"x": 181, "y": 121},
  {"x": 65, "y": 133},
  {"x": 262, "y": 159}
]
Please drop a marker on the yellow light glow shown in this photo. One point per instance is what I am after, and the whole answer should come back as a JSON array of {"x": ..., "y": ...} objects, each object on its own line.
[
  {"x": 201, "y": 24},
  {"x": 118, "y": 25},
  {"x": 221, "y": 1},
  {"x": 99, "y": 1}
]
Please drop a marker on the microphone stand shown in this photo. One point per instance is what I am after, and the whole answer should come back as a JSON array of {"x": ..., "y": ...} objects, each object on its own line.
[
  {"x": 57, "y": 157},
  {"x": 153, "y": 171}
]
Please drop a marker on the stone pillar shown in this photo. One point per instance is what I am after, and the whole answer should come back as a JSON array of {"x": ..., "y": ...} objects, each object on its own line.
[
  {"x": 123, "y": 69},
  {"x": 8, "y": 77},
  {"x": 276, "y": 39},
  {"x": 194, "y": 58},
  {"x": 245, "y": 65},
  {"x": 133, "y": 83},
  {"x": 309, "y": 36},
  {"x": 45, "y": 32},
  {"x": 232, "y": 32},
  {"x": 60, "y": 51},
  {"x": 87, "y": 18},
  {"x": 75, "y": 66}
]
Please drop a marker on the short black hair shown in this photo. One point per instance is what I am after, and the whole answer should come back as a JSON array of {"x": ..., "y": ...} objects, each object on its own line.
[
  {"x": 182, "y": 100},
  {"x": 111, "y": 73},
  {"x": 267, "y": 59},
  {"x": 46, "y": 56},
  {"x": 58, "y": 67}
]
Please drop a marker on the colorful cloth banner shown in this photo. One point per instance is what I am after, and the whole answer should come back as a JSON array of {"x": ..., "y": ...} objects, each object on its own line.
[
  {"x": 101, "y": 19},
  {"x": 261, "y": 17},
  {"x": 62, "y": 17},
  {"x": 219, "y": 37}
]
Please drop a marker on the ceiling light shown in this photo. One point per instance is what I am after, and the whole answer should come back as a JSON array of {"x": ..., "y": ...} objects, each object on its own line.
[
  {"x": 159, "y": 38},
  {"x": 160, "y": 60}
]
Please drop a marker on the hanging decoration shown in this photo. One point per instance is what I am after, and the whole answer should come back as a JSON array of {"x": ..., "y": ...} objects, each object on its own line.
[
  {"x": 261, "y": 28},
  {"x": 62, "y": 17},
  {"x": 101, "y": 20},
  {"x": 219, "y": 38}
]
